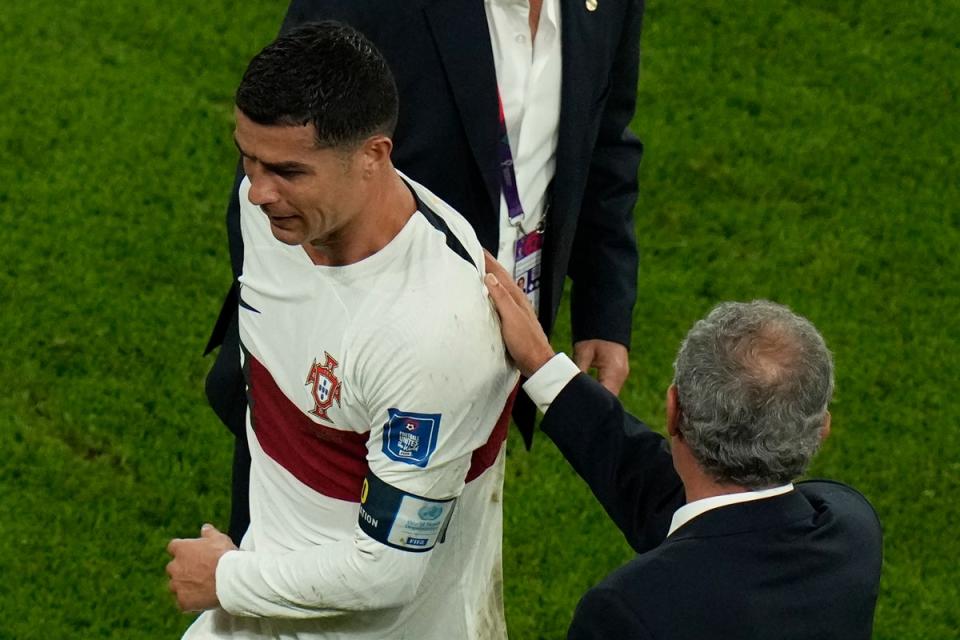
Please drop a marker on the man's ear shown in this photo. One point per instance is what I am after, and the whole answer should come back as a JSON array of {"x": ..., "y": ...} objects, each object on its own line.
[
  {"x": 673, "y": 412},
  {"x": 375, "y": 153},
  {"x": 825, "y": 429}
]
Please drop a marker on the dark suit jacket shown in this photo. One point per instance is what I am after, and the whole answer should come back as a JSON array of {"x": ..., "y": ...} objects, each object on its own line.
[
  {"x": 804, "y": 565},
  {"x": 446, "y": 138}
]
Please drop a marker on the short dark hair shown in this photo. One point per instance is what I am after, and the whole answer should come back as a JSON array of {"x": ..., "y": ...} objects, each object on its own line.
[{"x": 324, "y": 73}]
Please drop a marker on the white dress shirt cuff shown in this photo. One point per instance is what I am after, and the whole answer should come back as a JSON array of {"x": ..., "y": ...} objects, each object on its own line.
[{"x": 549, "y": 380}]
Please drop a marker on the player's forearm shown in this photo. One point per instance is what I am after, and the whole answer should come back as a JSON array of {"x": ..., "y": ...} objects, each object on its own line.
[{"x": 335, "y": 579}]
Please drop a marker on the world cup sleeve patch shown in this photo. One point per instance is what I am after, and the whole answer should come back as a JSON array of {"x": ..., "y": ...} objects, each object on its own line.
[
  {"x": 402, "y": 520},
  {"x": 410, "y": 437}
]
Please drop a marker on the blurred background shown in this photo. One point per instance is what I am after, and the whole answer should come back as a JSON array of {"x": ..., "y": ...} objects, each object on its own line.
[{"x": 800, "y": 151}]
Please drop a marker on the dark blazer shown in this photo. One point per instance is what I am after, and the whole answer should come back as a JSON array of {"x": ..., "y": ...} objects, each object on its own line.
[
  {"x": 446, "y": 138},
  {"x": 804, "y": 565}
]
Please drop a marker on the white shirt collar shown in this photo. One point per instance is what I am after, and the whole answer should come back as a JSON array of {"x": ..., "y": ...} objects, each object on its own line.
[{"x": 689, "y": 511}]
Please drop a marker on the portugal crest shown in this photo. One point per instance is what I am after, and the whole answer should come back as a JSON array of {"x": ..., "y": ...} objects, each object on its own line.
[{"x": 326, "y": 386}]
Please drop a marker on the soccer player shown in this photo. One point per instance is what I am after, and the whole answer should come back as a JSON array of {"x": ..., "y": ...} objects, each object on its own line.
[{"x": 379, "y": 387}]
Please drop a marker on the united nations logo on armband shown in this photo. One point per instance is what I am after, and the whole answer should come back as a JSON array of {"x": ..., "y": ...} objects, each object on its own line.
[
  {"x": 400, "y": 519},
  {"x": 430, "y": 512}
]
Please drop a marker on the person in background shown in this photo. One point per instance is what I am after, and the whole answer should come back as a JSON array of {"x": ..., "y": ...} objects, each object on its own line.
[
  {"x": 516, "y": 113},
  {"x": 729, "y": 544}
]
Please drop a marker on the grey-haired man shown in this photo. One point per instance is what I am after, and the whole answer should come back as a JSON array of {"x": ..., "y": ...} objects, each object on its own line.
[{"x": 729, "y": 546}]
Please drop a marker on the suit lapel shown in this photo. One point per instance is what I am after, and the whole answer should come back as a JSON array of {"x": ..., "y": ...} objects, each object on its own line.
[
  {"x": 577, "y": 29},
  {"x": 574, "y": 29},
  {"x": 462, "y": 38},
  {"x": 585, "y": 40}
]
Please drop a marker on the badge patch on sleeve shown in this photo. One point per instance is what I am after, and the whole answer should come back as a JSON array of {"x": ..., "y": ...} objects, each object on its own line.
[
  {"x": 402, "y": 520},
  {"x": 410, "y": 437}
]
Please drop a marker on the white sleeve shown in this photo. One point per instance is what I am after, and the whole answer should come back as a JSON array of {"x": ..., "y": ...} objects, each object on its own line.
[
  {"x": 351, "y": 575},
  {"x": 548, "y": 381},
  {"x": 434, "y": 389}
]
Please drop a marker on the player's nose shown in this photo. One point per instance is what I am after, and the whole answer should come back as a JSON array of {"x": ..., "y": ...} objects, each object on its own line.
[{"x": 262, "y": 191}]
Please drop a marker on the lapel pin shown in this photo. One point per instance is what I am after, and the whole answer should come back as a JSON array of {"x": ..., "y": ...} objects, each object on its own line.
[{"x": 591, "y": 5}]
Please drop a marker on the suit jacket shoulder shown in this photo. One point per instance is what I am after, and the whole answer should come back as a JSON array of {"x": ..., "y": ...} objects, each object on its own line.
[
  {"x": 811, "y": 556},
  {"x": 850, "y": 509}
]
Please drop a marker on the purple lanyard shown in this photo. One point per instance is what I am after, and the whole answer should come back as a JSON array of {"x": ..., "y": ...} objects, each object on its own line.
[{"x": 508, "y": 178}]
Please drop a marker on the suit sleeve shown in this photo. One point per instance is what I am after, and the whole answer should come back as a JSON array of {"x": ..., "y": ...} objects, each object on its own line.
[
  {"x": 604, "y": 260},
  {"x": 603, "y": 615},
  {"x": 627, "y": 466}
]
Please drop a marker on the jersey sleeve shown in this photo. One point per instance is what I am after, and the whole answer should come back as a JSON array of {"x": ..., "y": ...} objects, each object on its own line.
[
  {"x": 434, "y": 382},
  {"x": 435, "y": 398}
]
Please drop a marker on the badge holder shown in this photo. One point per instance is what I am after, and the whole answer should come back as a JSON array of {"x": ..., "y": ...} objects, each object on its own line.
[
  {"x": 528, "y": 258},
  {"x": 528, "y": 249}
]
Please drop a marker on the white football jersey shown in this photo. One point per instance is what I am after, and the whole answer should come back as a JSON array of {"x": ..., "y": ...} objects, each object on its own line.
[{"x": 379, "y": 397}]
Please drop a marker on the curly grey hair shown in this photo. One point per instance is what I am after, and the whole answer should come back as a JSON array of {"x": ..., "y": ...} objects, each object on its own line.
[{"x": 753, "y": 381}]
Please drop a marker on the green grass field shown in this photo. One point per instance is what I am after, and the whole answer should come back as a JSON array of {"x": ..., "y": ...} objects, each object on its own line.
[{"x": 801, "y": 151}]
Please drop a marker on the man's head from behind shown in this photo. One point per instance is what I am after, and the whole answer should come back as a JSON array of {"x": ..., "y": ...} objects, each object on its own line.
[{"x": 752, "y": 382}]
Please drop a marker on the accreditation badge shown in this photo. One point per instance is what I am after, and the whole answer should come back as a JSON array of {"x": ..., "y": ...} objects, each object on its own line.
[{"x": 528, "y": 258}]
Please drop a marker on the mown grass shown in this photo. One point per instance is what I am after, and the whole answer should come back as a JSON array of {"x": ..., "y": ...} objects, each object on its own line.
[{"x": 800, "y": 151}]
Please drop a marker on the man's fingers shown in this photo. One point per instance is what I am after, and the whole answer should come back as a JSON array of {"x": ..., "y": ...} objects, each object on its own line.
[
  {"x": 612, "y": 379},
  {"x": 583, "y": 357},
  {"x": 495, "y": 274},
  {"x": 494, "y": 267},
  {"x": 172, "y": 546},
  {"x": 208, "y": 531},
  {"x": 501, "y": 299},
  {"x": 610, "y": 359},
  {"x": 506, "y": 281}
]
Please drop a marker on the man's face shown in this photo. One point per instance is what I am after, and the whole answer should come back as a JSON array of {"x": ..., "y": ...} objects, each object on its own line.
[{"x": 309, "y": 194}]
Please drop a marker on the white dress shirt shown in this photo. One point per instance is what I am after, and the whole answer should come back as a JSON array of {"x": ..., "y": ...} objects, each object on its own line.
[
  {"x": 528, "y": 76},
  {"x": 691, "y": 510},
  {"x": 548, "y": 381}
]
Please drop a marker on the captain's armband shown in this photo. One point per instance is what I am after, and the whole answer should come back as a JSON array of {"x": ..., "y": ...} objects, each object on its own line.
[{"x": 402, "y": 520}]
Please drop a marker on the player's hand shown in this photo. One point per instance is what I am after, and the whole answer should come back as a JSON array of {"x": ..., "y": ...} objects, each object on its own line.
[
  {"x": 610, "y": 359},
  {"x": 526, "y": 342},
  {"x": 193, "y": 570}
]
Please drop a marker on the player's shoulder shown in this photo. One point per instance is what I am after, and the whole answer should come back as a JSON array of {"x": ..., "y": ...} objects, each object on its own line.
[
  {"x": 433, "y": 292},
  {"x": 439, "y": 280},
  {"x": 459, "y": 240},
  {"x": 436, "y": 321}
]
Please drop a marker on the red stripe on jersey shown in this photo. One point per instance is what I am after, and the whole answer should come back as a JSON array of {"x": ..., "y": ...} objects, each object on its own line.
[
  {"x": 484, "y": 457},
  {"x": 329, "y": 461}
]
